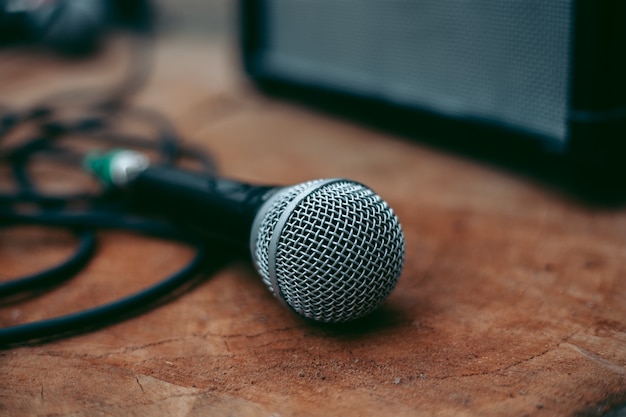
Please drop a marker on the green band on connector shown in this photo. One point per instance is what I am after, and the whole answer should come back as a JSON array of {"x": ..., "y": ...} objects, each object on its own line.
[{"x": 99, "y": 164}]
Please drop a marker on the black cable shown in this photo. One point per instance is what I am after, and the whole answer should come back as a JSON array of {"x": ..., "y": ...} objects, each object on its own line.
[
  {"x": 56, "y": 274},
  {"x": 106, "y": 219},
  {"x": 101, "y": 315},
  {"x": 63, "y": 123}
]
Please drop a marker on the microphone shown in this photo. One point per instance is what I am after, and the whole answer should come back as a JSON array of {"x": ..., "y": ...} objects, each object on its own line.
[{"x": 330, "y": 249}]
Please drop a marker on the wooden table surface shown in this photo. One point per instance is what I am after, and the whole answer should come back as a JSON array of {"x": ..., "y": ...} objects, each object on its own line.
[{"x": 511, "y": 302}]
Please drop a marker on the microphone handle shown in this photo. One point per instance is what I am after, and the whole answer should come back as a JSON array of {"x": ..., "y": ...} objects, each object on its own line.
[{"x": 217, "y": 206}]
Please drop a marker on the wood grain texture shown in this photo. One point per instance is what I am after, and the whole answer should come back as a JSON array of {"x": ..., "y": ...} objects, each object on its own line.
[{"x": 511, "y": 301}]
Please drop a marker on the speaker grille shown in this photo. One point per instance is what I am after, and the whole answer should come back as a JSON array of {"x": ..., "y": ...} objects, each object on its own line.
[{"x": 505, "y": 61}]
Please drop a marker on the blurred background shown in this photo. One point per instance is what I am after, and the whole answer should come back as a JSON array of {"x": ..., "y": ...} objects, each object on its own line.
[
  {"x": 201, "y": 18},
  {"x": 526, "y": 85}
]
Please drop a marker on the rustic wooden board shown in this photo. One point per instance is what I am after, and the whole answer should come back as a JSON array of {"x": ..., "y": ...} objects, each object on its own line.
[{"x": 511, "y": 301}]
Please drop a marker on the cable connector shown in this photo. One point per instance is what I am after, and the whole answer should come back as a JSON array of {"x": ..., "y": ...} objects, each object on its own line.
[{"x": 117, "y": 167}]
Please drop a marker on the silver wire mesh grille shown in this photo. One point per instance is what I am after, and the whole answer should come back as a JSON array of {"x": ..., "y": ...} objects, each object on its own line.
[
  {"x": 505, "y": 61},
  {"x": 268, "y": 225},
  {"x": 339, "y": 254}
]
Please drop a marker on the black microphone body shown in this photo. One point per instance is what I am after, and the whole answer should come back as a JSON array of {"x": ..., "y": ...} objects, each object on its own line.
[{"x": 220, "y": 207}]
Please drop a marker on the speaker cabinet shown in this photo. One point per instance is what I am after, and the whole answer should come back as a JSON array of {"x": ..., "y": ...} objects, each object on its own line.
[{"x": 547, "y": 73}]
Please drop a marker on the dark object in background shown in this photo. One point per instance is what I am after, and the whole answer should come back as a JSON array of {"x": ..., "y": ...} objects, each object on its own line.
[
  {"x": 534, "y": 82},
  {"x": 71, "y": 27}
]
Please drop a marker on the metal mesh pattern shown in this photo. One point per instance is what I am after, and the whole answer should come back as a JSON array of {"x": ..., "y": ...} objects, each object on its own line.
[
  {"x": 339, "y": 254},
  {"x": 268, "y": 225},
  {"x": 506, "y": 61}
]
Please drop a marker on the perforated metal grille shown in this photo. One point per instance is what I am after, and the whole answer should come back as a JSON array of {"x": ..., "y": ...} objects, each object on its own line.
[
  {"x": 339, "y": 254},
  {"x": 268, "y": 225},
  {"x": 505, "y": 61}
]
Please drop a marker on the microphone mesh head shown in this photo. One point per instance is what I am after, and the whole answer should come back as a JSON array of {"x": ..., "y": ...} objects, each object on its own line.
[{"x": 332, "y": 250}]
